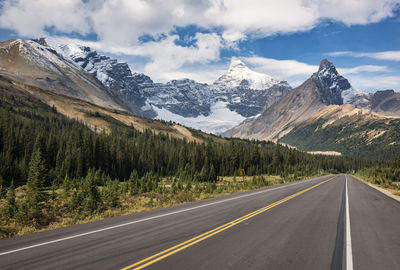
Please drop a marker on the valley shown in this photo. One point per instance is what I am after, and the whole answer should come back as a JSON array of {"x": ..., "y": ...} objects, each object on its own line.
[{"x": 213, "y": 134}]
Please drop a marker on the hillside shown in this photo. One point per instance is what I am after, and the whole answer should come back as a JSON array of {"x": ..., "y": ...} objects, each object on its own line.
[
  {"x": 348, "y": 130},
  {"x": 96, "y": 117},
  {"x": 33, "y": 62}
]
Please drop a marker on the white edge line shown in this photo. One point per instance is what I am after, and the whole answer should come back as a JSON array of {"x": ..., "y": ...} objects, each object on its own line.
[
  {"x": 146, "y": 219},
  {"x": 349, "y": 252}
]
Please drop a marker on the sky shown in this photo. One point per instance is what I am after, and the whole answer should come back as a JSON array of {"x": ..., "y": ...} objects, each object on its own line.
[{"x": 198, "y": 38}]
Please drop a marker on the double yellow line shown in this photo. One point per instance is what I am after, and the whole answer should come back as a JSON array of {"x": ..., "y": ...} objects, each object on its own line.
[{"x": 168, "y": 252}]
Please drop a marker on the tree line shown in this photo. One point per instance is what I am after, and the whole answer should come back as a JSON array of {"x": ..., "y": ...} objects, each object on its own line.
[
  {"x": 69, "y": 148},
  {"x": 44, "y": 150}
]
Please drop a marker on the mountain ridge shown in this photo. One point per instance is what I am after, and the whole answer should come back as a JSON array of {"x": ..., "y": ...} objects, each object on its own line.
[
  {"x": 240, "y": 93},
  {"x": 319, "y": 104}
]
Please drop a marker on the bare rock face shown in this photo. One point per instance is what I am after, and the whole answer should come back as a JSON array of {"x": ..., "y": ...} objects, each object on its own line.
[
  {"x": 241, "y": 92},
  {"x": 82, "y": 72},
  {"x": 34, "y": 62},
  {"x": 116, "y": 76},
  {"x": 296, "y": 106},
  {"x": 330, "y": 83},
  {"x": 380, "y": 96},
  {"x": 386, "y": 102},
  {"x": 323, "y": 88}
]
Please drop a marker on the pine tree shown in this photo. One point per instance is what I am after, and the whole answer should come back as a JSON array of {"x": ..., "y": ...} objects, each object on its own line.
[
  {"x": 91, "y": 193},
  {"x": 277, "y": 156},
  {"x": 66, "y": 186},
  {"x": 133, "y": 183},
  {"x": 112, "y": 195},
  {"x": 10, "y": 209},
  {"x": 212, "y": 176},
  {"x": 37, "y": 177}
]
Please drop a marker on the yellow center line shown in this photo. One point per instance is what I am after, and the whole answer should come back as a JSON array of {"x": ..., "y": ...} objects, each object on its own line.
[{"x": 172, "y": 250}]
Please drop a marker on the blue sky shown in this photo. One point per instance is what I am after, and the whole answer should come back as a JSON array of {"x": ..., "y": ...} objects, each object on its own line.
[{"x": 197, "y": 39}]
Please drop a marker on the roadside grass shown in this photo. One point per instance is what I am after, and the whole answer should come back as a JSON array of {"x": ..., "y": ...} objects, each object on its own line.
[
  {"x": 57, "y": 212},
  {"x": 391, "y": 186}
]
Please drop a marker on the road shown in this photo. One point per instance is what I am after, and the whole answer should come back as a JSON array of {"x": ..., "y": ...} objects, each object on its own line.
[{"x": 301, "y": 225}]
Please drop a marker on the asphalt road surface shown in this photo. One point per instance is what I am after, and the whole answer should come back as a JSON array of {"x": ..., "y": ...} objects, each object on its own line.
[{"x": 331, "y": 222}]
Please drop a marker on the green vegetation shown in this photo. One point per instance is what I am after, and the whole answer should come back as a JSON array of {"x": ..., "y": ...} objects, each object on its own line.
[
  {"x": 387, "y": 176},
  {"x": 84, "y": 201},
  {"x": 350, "y": 135},
  {"x": 56, "y": 170}
]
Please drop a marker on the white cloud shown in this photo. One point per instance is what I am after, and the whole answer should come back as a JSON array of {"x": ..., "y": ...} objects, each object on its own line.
[
  {"x": 123, "y": 21},
  {"x": 354, "y": 11},
  {"x": 119, "y": 24},
  {"x": 385, "y": 55},
  {"x": 31, "y": 18},
  {"x": 293, "y": 71},
  {"x": 363, "y": 68},
  {"x": 167, "y": 59},
  {"x": 375, "y": 82}
]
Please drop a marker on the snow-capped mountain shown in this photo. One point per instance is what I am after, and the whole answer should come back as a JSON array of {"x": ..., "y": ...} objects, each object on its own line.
[
  {"x": 335, "y": 89},
  {"x": 357, "y": 97},
  {"x": 239, "y": 75},
  {"x": 113, "y": 74},
  {"x": 183, "y": 97},
  {"x": 237, "y": 95},
  {"x": 36, "y": 63},
  {"x": 325, "y": 87}
]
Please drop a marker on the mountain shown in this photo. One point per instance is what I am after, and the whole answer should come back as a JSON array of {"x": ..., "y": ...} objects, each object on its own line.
[
  {"x": 236, "y": 96},
  {"x": 217, "y": 107},
  {"x": 24, "y": 97},
  {"x": 386, "y": 102},
  {"x": 117, "y": 77},
  {"x": 323, "y": 88},
  {"x": 348, "y": 130},
  {"x": 239, "y": 74},
  {"x": 326, "y": 113},
  {"x": 35, "y": 63},
  {"x": 81, "y": 72}
]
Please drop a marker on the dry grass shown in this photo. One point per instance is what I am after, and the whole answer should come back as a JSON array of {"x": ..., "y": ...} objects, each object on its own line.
[
  {"x": 82, "y": 111},
  {"x": 58, "y": 212},
  {"x": 394, "y": 189}
]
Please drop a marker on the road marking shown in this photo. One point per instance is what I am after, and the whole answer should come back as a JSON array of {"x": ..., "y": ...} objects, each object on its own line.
[
  {"x": 147, "y": 219},
  {"x": 172, "y": 250},
  {"x": 349, "y": 252}
]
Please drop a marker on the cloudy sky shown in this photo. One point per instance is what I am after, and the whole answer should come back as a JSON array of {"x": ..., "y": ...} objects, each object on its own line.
[{"x": 171, "y": 39}]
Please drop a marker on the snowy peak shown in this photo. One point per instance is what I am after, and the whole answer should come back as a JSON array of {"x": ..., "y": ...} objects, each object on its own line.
[
  {"x": 236, "y": 64},
  {"x": 326, "y": 67},
  {"x": 336, "y": 89},
  {"x": 33, "y": 56},
  {"x": 329, "y": 76},
  {"x": 239, "y": 74},
  {"x": 330, "y": 83}
]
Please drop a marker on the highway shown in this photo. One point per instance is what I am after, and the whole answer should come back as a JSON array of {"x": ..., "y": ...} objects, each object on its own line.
[{"x": 330, "y": 222}]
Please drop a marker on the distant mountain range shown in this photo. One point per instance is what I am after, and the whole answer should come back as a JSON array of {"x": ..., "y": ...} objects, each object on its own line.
[
  {"x": 325, "y": 113},
  {"x": 237, "y": 95}
]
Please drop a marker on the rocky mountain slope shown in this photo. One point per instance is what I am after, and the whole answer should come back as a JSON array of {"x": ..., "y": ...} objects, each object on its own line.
[
  {"x": 237, "y": 95},
  {"x": 309, "y": 116},
  {"x": 348, "y": 130},
  {"x": 96, "y": 117},
  {"x": 323, "y": 88},
  {"x": 81, "y": 72},
  {"x": 34, "y": 62},
  {"x": 386, "y": 102}
]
